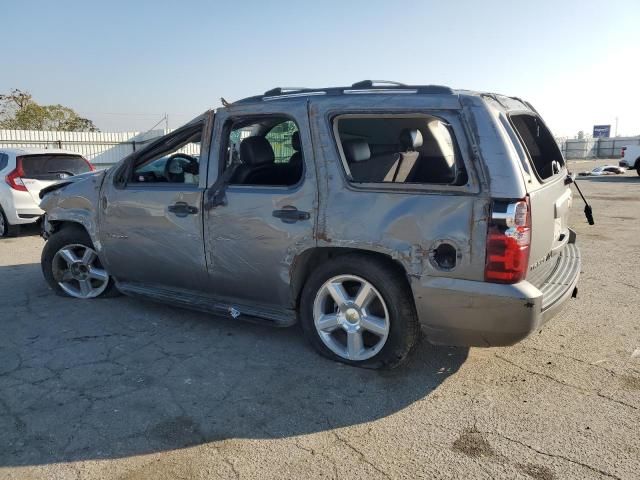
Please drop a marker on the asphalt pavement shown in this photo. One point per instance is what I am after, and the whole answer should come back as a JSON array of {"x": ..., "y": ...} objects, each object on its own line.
[{"x": 125, "y": 388}]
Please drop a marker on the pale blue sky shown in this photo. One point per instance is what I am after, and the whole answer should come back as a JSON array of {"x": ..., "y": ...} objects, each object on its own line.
[{"x": 123, "y": 64}]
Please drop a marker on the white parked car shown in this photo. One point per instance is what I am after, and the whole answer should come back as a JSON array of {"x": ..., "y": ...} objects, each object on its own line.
[
  {"x": 631, "y": 158},
  {"x": 23, "y": 173}
]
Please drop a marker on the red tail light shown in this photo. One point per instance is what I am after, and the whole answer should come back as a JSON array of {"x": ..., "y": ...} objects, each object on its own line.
[
  {"x": 622, "y": 151},
  {"x": 508, "y": 242},
  {"x": 14, "y": 178},
  {"x": 91, "y": 167}
]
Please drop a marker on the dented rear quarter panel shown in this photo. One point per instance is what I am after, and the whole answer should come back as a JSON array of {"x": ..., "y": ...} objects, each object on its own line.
[{"x": 404, "y": 222}]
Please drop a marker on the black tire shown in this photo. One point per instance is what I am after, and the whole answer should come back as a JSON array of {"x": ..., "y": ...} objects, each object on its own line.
[
  {"x": 9, "y": 230},
  {"x": 404, "y": 330},
  {"x": 68, "y": 235}
]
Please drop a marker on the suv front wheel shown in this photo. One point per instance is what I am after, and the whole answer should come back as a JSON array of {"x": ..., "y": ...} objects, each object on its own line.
[
  {"x": 72, "y": 268},
  {"x": 359, "y": 311}
]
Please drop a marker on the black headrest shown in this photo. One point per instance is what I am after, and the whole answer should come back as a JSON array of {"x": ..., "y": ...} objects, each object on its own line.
[
  {"x": 356, "y": 150},
  {"x": 410, "y": 139},
  {"x": 295, "y": 141},
  {"x": 256, "y": 151}
]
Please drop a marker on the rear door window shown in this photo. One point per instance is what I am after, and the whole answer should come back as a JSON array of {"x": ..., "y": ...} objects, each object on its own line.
[
  {"x": 540, "y": 145},
  {"x": 255, "y": 157},
  {"x": 53, "y": 166}
]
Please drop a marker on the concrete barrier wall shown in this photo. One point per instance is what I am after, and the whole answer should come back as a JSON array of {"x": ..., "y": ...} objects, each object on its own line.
[
  {"x": 595, "y": 147},
  {"x": 100, "y": 148}
]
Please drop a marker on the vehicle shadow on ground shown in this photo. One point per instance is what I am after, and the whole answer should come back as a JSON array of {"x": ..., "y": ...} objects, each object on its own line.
[
  {"x": 118, "y": 377},
  {"x": 28, "y": 230}
]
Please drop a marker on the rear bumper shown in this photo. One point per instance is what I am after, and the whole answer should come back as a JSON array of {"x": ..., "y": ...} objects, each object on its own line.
[
  {"x": 626, "y": 164},
  {"x": 471, "y": 313},
  {"x": 20, "y": 208}
]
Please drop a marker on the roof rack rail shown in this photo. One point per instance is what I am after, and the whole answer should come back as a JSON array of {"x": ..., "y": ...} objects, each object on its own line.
[
  {"x": 372, "y": 83},
  {"x": 361, "y": 87},
  {"x": 285, "y": 90}
]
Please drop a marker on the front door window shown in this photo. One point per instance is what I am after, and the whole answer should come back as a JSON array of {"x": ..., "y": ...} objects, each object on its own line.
[{"x": 178, "y": 163}]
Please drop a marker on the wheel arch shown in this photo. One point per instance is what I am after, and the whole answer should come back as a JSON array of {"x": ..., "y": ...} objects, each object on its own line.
[
  {"x": 310, "y": 259},
  {"x": 53, "y": 226}
]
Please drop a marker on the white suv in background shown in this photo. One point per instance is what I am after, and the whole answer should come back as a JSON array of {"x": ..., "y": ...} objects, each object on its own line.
[
  {"x": 23, "y": 173},
  {"x": 630, "y": 157}
]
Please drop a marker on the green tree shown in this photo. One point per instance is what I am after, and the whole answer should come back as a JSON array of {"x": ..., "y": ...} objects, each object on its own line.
[{"x": 18, "y": 111}]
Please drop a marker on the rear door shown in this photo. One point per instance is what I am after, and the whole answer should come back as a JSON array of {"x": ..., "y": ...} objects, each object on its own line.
[
  {"x": 264, "y": 221},
  {"x": 40, "y": 171},
  {"x": 550, "y": 197}
]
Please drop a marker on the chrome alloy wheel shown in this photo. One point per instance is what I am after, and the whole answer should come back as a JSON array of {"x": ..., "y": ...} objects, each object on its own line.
[
  {"x": 351, "y": 317},
  {"x": 78, "y": 271}
]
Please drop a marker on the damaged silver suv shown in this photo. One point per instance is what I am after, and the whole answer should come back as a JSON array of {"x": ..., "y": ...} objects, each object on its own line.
[{"x": 367, "y": 213}]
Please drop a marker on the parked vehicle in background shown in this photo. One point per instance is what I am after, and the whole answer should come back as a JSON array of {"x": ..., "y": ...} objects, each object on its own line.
[
  {"x": 24, "y": 172},
  {"x": 391, "y": 208},
  {"x": 630, "y": 158}
]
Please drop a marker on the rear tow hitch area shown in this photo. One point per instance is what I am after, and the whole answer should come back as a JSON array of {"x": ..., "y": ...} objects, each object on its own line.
[{"x": 588, "y": 212}]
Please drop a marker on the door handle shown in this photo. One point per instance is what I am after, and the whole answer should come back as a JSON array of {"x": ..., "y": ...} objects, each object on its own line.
[
  {"x": 290, "y": 214},
  {"x": 182, "y": 209}
]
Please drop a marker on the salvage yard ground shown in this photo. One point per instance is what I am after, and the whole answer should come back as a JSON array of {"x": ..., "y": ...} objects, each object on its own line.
[{"x": 124, "y": 388}]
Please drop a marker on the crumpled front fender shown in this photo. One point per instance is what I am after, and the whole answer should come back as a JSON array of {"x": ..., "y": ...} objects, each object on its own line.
[{"x": 76, "y": 202}]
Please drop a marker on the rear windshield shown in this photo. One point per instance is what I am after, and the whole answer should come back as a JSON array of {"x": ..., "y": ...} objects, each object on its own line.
[
  {"x": 53, "y": 167},
  {"x": 543, "y": 150}
]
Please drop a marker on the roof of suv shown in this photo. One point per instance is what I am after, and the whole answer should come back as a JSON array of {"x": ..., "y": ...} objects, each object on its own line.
[{"x": 375, "y": 87}]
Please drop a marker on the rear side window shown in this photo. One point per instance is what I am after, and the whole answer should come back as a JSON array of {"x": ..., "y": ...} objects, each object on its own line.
[
  {"x": 537, "y": 140},
  {"x": 4, "y": 161},
  {"x": 398, "y": 149},
  {"x": 53, "y": 166}
]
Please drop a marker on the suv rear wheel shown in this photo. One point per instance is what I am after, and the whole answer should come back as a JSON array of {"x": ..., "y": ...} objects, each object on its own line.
[
  {"x": 358, "y": 311},
  {"x": 72, "y": 268}
]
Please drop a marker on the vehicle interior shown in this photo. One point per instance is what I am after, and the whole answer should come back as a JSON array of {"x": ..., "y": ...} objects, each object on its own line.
[
  {"x": 399, "y": 149},
  {"x": 176, "y": 162},
  {"x": 264, "y": 151},
  {"x": 540, "y": 144}
]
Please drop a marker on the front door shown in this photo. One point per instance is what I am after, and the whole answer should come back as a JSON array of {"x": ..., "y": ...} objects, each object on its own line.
[
  {"x": 151, "y": 221},
  {"x": 268, "y": 213}
]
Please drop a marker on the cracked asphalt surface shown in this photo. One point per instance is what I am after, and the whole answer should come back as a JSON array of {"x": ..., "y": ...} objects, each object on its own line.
[{"x": 123, "y": 388}]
